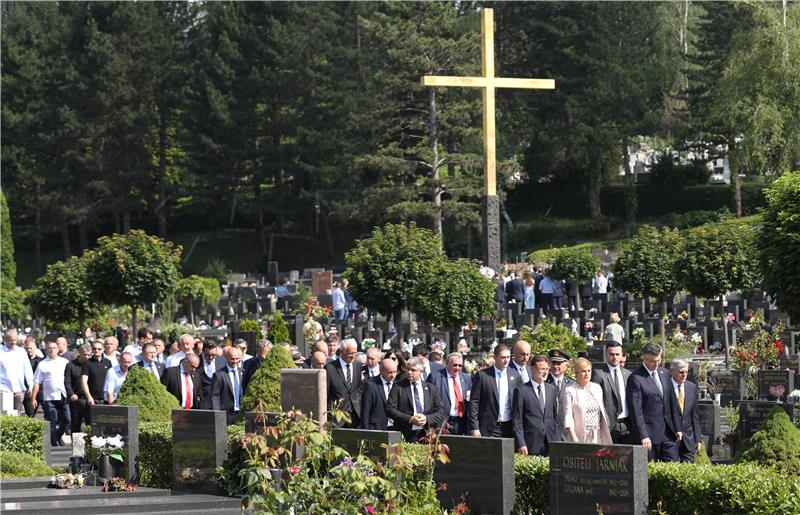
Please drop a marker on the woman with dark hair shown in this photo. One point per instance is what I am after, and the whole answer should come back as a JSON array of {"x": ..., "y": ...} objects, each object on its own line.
[{"x": 397, "y": 355}]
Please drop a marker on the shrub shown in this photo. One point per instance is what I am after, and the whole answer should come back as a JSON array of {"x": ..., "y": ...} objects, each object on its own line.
[
  {"x": 532, "y": 479},
  {"x": 548, "y": 335},
  {"x": 22, "y": 434},
  {"x": 695, "y": 218},
  {"x": 251, "y": 326},
  {"x": 266, "y": 383},
  {"x": 776, "y": 444},
  {"x": 143, "y": 390},
  {"x": 21, "y": 464},
  {"x": 278, "y": 330}
]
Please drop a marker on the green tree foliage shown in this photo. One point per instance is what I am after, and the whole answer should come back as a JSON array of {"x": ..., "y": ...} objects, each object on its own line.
[
  {"x": 451, "y": 293},
  {"x": 384, "y": 268},
  {"x": 196, "y": 288},
  {"x": 143, "y": 390},
  {"x": 548, "y": 335},
  {"x": 576, "y": 266},
  {"x": 779, "y": 243},
  {"x": 776, "y": 444},
  {"x": 251, "y": 326},
  {"x": 134, "y": 269},
  {"x": 8, "y": 267},
  {"x": 646, "y": 264},
  {"x": 278, "y": 330},
  {"x": 718, "y": 258},
  {"x": 265, "y": 387},
  {"x": 62, "y": 294}
]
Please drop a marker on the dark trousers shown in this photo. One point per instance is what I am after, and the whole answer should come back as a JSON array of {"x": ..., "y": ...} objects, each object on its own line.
[
  {"x": 503, "y": 430},
  {"x": 664, "y": 451},
  {"x": 27, "y": 403},
  {"x": 621, "y": 434},
  {"x": 57, "y": 413},
  {"x": 79, "y": 415},
  {"x": 547, "y": 302},
  {"x": 457, "y": 426},
  {"x": 558, "y": 302}
]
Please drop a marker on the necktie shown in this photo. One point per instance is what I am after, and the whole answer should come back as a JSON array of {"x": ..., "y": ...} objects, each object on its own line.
[
  {"x": 657, "y": 380},
  {"x": 388, "y": 389},
  {"x": 417, "y": 402},
  {"x": 236, "y": 392},
  {"x": 153, "y": 369},
  {"x": 540, "y": 393},
  {"x": 187, "y": 391},
  {"x": 618, "y": 384},
  {"x": 680, "y": 397},
  {"x": 348, "y": 377},
  {"x": 459, "y": 398}
]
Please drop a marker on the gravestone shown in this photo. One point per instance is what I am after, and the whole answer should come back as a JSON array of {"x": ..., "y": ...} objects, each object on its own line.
[
  {"x": 596, "y": 352},
  {"x": 321, "y": 282},
  {"x": 480, "y": 473},
  {"x": 199, "y": 446},
  {"x": 119, "y": 420},
  {"x": 358, "y": 441},
  {"x": 257, "y": 422},
  {"x": 708, "y": 412},
  {"x": 295, "y": 326},
  {"x": 488, "y": 332},
  {"x": 305, "y": 390},
  {"x": 753, "y": 413},
  {"x": 775, "y": 385},
  {"x": 728, "y": 384},
  {"x": 587, "y": 478},
  {"x": 377, "y": 335}
]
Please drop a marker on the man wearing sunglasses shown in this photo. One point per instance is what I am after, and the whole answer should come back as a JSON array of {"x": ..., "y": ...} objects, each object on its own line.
[{"x": 453, "y": 386}]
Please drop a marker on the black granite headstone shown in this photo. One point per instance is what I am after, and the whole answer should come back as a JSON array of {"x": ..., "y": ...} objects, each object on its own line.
[
  {"x": 753, "y": 413},
  {"x": 728, "y": 384},
  {"x": 597, "y": 351},
  {"x": 775, "y": 385},
  {"x": 480, "y": 473},
  {"x": 119, "y": 420},
  {"x": 199, "y": 446},
  {"x": 488, "y": 332},
  {"x": 357, "y": 441},
  {"x": 587, "y": 478},
  {"x": 257, "y": 422},
  {"x": 709, "y": 414}
]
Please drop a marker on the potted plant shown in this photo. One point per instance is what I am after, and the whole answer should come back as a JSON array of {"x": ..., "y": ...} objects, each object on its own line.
[{"x": 108, "y": 448}]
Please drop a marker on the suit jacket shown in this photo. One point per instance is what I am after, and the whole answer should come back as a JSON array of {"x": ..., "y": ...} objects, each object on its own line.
[
  {"x": 565, "y": 382},
  {"x": 205, "y": 379},
  {"x": 435, "y": 368},
  {"x": 222, "y": 396},
  {"x": 72, "y": 379},
  {"x": 689, "y": 420},
  {"x": 574, "y": 413},
  {"x": 441, "y": 380},
  {"x": 338, "y": 390},
  {"x": 652, "y": 415},
  {"x": 515, "y": 290},
  {"x": 528, "y": 370},
  {"x": 611, "y": 396},
  {"x": 483, "y": 399},
  {"x": 159, "y": 367},
  {"x": 400, "y": 407},
  {"x": 534, "y": 427},
  {"x": 172, "y": 381},
  {"x": 249, "y": 368},
  {"x": 373, "y": 405}
]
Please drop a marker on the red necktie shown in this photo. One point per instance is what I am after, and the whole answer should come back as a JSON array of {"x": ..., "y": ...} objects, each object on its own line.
[
  {"x": 459, "y": 398},
  {"x": 188, "y": 389}
]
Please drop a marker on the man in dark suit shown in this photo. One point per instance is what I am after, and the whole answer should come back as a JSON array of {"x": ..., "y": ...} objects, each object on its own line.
[
  {"x": 653, "y": 421},
  {"x": 515, "y": 290},
  {"x": 684, "y": 398},
  {"x": 149, "y": 362},
  {"x": 226, "y": 386},
  {"x": 183, "y": 382},
  {"x": 210, "y": 363},
  {"x": 422, "y": 351},
  {"x": 520, "y": 357},
  {"x": 535, "y": 413},
  {"x": 491, "y": 395},
  {"x": 250, "y": 366},
  {"x": 376, "y": 395},
  {"x": 613, "y": 378},
  {"x": 344, "y": 381},
  {"x": 413, "y": 404},
  {"x": 453, "y": 387}
]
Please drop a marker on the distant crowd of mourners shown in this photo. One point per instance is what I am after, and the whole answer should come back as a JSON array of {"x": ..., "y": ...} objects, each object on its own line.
[{"x": 510, "y": 394}]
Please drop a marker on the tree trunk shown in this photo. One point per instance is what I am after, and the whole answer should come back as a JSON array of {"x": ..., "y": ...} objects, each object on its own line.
[
  {"x": 737, "y": 194},
  {"x": 594, "y": 189},
  {"x": 161, "y": 207},
  {"x": 663, "y": 321},
  {"x": 262, "y": 232},
  {"x": 328, "y": 237},
  {"x": 232, "y": 215},
  {"x": 37, "y": 238},
  {"x": 83, "y": 239},
  {"x": 433, "y": 129},
  {"x": 134, "y": 321},
  {"x": 126, "y": 222},
  {"x": 117, "y": 222},
  {"x": 190, "y": 306},
  {"x": 65, "y": 239},
  {"x": 397, "y": 316},
  {"x": 451, "y": 149},
  {"x": 626, "y": 160}
]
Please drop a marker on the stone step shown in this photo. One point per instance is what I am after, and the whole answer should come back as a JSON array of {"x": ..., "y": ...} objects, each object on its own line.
[
  {"x": 57, "y": 494},
  {"x": 23, "y": 483}
]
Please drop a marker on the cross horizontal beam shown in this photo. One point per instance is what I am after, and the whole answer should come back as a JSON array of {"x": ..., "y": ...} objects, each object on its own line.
[{"x": 483, "y": 82}]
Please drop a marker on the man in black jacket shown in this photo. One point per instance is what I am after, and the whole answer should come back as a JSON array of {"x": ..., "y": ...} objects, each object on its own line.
[
  {"x": 375, "y": 396},
  {"x": 344, "y": 382},
  {"x": 226, "y": 386},
  {"x": 413, "y": 404},
  {"x": 182, "y": 382},
  {"x": 79, "y": 412},
  {"x": 685, "y": 401}
]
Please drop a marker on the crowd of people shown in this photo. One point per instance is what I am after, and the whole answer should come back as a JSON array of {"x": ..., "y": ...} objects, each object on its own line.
[
  {"x": 537, "y": 289},
  {"x": 512, "y": 394}
]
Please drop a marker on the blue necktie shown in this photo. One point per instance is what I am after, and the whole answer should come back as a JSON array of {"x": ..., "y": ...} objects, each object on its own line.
[
  {"x": 236, "y": 389},
  {"x": 417, "y": 403}
]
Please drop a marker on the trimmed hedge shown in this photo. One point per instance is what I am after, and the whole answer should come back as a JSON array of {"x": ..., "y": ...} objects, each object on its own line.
[
  {"x": 142, "y": 389},
  {"x": 22, "y": 434},
  {"x": 21, "y": 464}
]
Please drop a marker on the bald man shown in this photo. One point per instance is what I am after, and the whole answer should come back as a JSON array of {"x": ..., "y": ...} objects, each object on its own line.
[
  {"x": 376, "y": 393},
  {"x": 319, "y": 359},
  {"x": 226, "y": 386},
  {"x": 63, "y": 349}
]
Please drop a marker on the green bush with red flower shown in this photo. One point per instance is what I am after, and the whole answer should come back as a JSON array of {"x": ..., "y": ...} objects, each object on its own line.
[{"x": 761, "y": 352}]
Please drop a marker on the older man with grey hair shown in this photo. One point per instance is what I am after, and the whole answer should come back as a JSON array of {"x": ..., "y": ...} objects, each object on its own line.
[
  {"x": 453, "y": 386},
  {"x": 414, "y": 405},
  {"x": 344, "y": 381},
  {"x": 684, "y": 398},
  {"x": 185, "y": 346}
]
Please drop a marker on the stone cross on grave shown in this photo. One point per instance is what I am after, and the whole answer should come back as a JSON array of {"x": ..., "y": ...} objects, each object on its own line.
[{"x": 488, "y": 81}]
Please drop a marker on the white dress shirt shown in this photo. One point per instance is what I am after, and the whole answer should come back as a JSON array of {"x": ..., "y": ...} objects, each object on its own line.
[
  {"x": 50, "y": 377},
  {"x": 15, "y": 370},
  {"x": 503, "y": 398},
  {"x": 173, "y": 360},
  {"x": 387, "y": 387},
  {"x": 620, "y": 387},
  {"x": 135, "y": 349},
  {"x": 113, "y": 358}
]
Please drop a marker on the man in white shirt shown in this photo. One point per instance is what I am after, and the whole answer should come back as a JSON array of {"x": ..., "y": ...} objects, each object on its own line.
[
  {"x": 600, "y": 283},
  {"x": 110, "y": 345},
  {"x": 15, "y": 369},
  {"x": 116, "y": 377},
  {"x": 372, "y": 368},
  {"x": 186, "y": 346},
  {"x": 145, "y": 335},
  {"x": 50, "y": 377}
]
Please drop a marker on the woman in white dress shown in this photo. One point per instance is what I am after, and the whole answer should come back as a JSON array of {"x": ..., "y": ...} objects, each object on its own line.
[{"x": 585, "y": 419}]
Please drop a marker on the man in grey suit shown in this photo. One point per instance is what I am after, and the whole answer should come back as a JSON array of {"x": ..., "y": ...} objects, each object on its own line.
[
  {"x": 613, "y": 379},
  {"x": 685, "y": 401}
]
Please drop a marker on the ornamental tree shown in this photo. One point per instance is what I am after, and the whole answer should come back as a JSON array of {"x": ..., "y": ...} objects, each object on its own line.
[
  {"x": 575, "y": 266},
  {"x": 133, "y": 270},
  {"x": 718, "y": 258},
  {"x": 778, "y": 243},
  {"x": 8, "y": 267},
  {"x": 278, "y": 330},
  {"x": 196, "y": 288},
  {"x": 142, "y": 389},
  {"x": 451, "y": 293},
  {"x": 266, "y": 382},
  {"x": 384, "y": 268},
  {"x": 62, "y": 294}
]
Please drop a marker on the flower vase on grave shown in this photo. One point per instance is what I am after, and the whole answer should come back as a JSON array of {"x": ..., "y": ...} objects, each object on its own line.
[{"x": 105, "y": 469}]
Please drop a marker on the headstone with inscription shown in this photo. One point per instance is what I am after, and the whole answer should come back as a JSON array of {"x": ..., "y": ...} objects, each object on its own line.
[
  {"x": 753, "y": 413},
  {"x": 488, "y": 332},
  {"x": 480, "y": 473},
  {"x": 305, "y": 390},
  {"x": 199, "y": 446},
  {"x": 708, "y": 412},
  {"x": 321, "y": 282},
  {"x": 775, "y": 385},
  {"x": 119, "y": 420},
  {"x": 728, "y": 384},
  {"x": 587, "y": 478},
  {"x": 370, "y": 443}
]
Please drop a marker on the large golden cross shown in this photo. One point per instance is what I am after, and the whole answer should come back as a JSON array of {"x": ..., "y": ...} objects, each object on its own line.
[{"x": 488, "y": 82}]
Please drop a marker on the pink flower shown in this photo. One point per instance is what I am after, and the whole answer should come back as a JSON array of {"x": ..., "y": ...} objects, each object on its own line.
[
  {"x": 294, "y": 470},
  {"x": 370, "y": 509}
]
